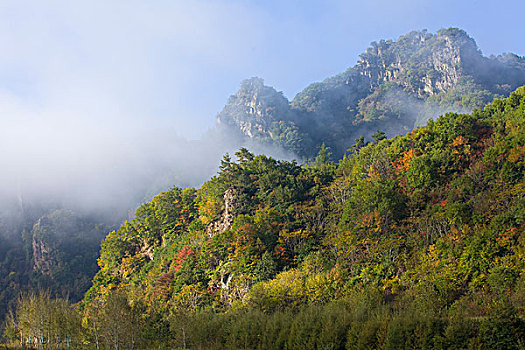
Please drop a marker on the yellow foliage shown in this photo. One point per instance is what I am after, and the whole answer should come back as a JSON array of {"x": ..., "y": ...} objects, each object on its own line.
[
  {"x": 132, "y": 264},
  {"x": 461, "y": 145},
  {"x": 373, "y": 174},
  {"x": 189, "y": 298},
  {"x": 208, "y": 211},
  {"x": 517, "y": 155},
  {"x": 392, "y": 284},
  {"x": 403, "y": 163}
]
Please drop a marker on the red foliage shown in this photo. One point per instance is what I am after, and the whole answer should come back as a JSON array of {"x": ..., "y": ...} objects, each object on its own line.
[
  {"x": 182, "y": 255},
  {"x": 280, "y": 251},
  {"x": 162, "y": 284}
]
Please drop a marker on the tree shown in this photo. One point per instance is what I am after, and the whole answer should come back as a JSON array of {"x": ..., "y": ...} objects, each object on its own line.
[
  {"x": 266, "y": 267},
  {"x": 39, "y": 320},
  {"x": 378, "y": 136},
  {"x": 359, "y": 143},
  {"x": 323, "y": 157},
  {"x": 226, "y": 167},
  {"x": 119, "y": 322},
  {"x": 244, "y": 155}
]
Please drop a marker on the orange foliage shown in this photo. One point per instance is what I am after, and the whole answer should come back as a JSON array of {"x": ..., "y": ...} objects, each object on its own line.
[
  {"x": 371, "y": 221},
  {"x": 182, "y": 255},
  {"x": 507, "y": 238},
  {"x": 461, "y": 145},
  {"x": 403, "y": 163},
  {"x": 517, "y": 154}
]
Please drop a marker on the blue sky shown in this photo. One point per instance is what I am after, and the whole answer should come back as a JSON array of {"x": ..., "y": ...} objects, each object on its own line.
[{"x": 173, "y": 64}]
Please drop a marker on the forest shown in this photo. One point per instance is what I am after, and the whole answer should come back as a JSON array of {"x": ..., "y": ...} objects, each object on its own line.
[
  {"x": 410, "y": 242},
  {"x": 50, "y": 239}
]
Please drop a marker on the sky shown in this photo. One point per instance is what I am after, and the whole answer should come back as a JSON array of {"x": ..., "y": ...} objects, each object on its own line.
[
  {"x": 174, "y": 63},
  {"x": 88, "y": 85}
]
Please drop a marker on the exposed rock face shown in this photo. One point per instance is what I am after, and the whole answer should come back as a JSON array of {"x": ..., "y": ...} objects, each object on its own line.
[
  {"x": 44, "y": 254},
  {"x": 431, "y": 73},
  {"x": 225, "y": 221},
  {"x": 64, "y": 247},
  {"x": 254, "y": 108},
  {"x": 149, "y": 251},
  {"x": 423, "y": 63}
]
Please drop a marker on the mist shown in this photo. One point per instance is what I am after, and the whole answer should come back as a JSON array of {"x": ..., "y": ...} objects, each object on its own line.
[
  {"x": 105, "y": 168},
  {"x": 103, "y": 104}
]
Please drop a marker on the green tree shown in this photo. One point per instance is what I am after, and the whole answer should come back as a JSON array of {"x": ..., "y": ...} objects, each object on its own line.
[
  {"x": 120, "y": 323},
  {"x": 378, "y": 136},
  {"x": 323, "y": 157},
  {"x": 359, "y": 143}
]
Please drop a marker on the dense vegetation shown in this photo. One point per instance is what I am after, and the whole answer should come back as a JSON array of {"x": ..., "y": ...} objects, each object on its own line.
[
  {"x": 412, "y": 242},
  {"x": 396, "y": 85}
]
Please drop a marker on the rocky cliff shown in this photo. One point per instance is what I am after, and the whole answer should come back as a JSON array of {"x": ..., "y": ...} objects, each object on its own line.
[
  {"x": 394, "y": 86},
  {"x": 254, "y": 108}
]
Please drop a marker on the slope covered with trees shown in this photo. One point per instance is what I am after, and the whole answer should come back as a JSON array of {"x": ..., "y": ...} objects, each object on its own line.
[
  {"x": 411, "y": 242},
  {"x": 394, "y": 86}
]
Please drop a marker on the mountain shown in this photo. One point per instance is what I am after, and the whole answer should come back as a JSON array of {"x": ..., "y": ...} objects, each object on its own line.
[
  {"x": 414, "y": 241},
  {"x": 395, "y": 86},
  {"x": 48, "y": 248},
  {"x": 402, "y": 234}
]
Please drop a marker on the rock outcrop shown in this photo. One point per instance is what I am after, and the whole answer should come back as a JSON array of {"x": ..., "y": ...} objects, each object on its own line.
[
  {"x": 431, "y": 73},
  {"x": 63, "y": 247},
  {"x": 44, "y": 252},
  {"x": 254, "y": 108},
  {"x": 225, "y": 220}
]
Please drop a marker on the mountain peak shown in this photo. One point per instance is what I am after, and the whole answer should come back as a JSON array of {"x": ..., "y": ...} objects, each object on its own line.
[
  {"x": 254, "y": 107},
  {"x": 394, "y": 86}
]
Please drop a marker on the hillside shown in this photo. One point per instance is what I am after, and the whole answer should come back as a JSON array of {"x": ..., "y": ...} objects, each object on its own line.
[
  {"x": 45, "y": 247},
  {"x": 376, "y": 239},
  {"x": 411, "y": 242},
  {"x": 395, "y": 86}
]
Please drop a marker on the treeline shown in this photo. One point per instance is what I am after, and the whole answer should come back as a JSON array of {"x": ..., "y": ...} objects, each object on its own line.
[
  {"x": 363, "y": 320},
  {"x": 414, "y": 242},
  {"x": 43, "y": 322}
]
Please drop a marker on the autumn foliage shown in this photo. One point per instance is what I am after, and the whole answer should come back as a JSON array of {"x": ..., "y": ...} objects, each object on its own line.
[{"x": 412, "y": 242}]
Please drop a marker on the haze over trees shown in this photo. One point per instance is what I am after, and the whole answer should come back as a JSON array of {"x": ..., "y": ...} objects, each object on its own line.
[
  {"x": 371, "y": 241},
  {"x": 411, "y": 242}
]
